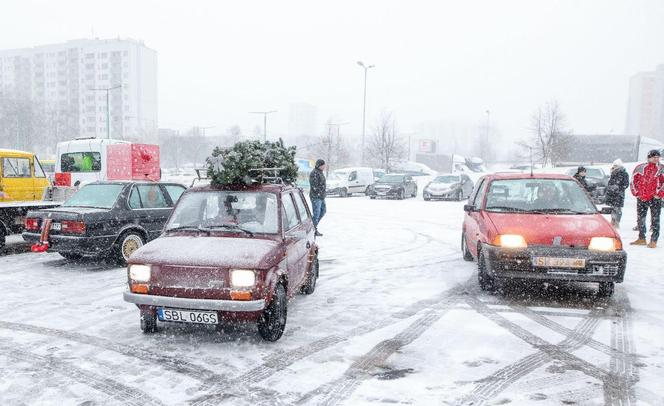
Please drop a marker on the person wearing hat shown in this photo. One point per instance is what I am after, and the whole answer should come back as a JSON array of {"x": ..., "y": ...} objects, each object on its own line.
[
  {"x": 580, "y": 176},
  {"x": 648, "y": 188},
  {"x": 615, "y": 191},
  {"x": 317, "y": 192}
]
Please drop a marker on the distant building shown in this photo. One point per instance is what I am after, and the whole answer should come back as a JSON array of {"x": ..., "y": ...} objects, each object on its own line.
[
  {"x": 302, "y": 120},
  {"x": 604, "y": 149},
  {"x": 61, "y": 77},
  {"x": 645, "y": 109}
]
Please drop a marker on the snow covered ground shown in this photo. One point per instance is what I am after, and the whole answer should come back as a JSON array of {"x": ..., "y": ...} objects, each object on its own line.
[{"x": 397, "y": 318}]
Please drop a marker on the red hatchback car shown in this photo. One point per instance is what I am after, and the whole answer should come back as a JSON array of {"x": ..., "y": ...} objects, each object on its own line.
[
  {"x": 227, "y": 254},
  {"x": 545, "y": 227}
]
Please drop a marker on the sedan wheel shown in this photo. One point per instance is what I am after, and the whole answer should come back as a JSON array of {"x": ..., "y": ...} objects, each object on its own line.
[
  {"x": 272, "y": 322},
  {"x": 129, "y": 243}
]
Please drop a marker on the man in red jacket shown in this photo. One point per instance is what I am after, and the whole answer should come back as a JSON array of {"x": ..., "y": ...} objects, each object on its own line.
[{"x": 648, "y": 187}]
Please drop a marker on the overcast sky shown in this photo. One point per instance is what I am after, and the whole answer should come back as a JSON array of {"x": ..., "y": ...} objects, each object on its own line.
[{"x": 434, "y": 60}]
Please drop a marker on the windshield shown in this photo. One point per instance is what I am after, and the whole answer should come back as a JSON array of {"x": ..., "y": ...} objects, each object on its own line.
[
  {"x": 391, "y": 179},
  {"x": 446, "y": 179},
  {"x": 101, "y": 196},
  {"x": 538, "y": 195},
  {"x": 255, "y": 212}
]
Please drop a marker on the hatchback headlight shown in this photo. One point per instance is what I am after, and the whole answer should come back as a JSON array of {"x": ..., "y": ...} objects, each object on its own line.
[
  {"x": 511, "y": 241},
  {"x": 140, "y": 273},
  {"x": 603, "y": 244},
  {"x": 242, "y": 278}
]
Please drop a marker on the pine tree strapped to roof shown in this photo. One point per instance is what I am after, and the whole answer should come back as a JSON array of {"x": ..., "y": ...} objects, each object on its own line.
[{"x": 247, "y": 162}]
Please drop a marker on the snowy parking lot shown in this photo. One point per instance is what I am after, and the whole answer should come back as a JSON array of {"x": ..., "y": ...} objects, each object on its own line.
[{"x": 397, "y": 318}]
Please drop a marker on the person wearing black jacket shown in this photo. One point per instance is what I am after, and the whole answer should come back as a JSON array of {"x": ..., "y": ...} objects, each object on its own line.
[
  {"x": 615, "y": 191},
  {"x": 580, "y": 176},
  {"x": 317, "y": 192}
]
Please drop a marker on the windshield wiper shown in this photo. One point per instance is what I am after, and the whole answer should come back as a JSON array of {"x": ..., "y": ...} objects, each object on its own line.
[
  {"x": 507, "y": 208},
  {"x": 189, "y": 228},
  {"x": 231, "y": 227},
  {"x": 563, "y": 211}
]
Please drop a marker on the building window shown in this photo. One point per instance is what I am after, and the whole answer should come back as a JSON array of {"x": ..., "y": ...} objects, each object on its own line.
[
  {"x": 89, "y": 56},
  {"x": 104, "y": 66},
  {"x": 104, "y": 55}
]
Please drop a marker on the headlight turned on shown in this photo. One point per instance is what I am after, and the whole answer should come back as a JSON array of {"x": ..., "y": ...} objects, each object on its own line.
[
  {"x": 242, "y": 278},
  {"x": 604, "y": 244},
  {"x": 140, "y": 273},
  {"x": 511, "y": 241}
]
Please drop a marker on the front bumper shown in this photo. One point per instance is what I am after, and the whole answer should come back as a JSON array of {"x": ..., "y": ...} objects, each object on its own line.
[
  {"x": 83, "y": 245},
  {"x": 384, "y": 192},
  {"x": 438, "y": 194},
  {"x": 518, "y": 264},
  {"x": 195, "y": 304}
]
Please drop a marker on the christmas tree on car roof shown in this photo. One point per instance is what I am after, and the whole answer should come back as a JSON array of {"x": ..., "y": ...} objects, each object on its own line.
[{"x": 251, "y": 162}]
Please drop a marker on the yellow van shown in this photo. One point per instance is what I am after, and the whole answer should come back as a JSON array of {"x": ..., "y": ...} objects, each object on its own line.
[{"x": 22, "y": 177}]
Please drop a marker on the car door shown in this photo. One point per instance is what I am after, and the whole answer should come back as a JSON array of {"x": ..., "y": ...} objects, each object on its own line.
[
  {"x": 353, "y": 182},
  {"x": 472, "y": 219},
  {"x": 307, "y": 226},
  {"x": 293, "y": 239},
  {"x": 150, "y": 207},
  {"x": 17, "y": 180}
]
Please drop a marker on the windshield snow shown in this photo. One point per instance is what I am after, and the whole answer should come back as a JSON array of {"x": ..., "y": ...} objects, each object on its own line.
[
  {"x": 102, "y": 196},
  {"x": 538, "y": 195}
]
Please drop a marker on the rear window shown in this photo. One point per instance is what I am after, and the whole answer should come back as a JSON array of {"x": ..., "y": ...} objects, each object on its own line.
[
  {"x": 100, "y": 196},
  {"x": 80, "y": 162}
]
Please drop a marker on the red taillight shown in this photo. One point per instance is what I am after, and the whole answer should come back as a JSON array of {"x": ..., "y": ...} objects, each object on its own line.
[
  {"x": 31, "y": 224},
  {"x": 73, "y": 227}
]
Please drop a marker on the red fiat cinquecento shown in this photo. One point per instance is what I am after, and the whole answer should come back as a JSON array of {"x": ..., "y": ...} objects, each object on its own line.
[
  {"x": 227, "y": 254},
  {"x": 545, "y": 227}
]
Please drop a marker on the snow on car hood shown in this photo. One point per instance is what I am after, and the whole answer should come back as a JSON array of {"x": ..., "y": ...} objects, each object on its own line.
[
  {"x": 542, "y": 229},
  {"x": 223, "y": 252}
]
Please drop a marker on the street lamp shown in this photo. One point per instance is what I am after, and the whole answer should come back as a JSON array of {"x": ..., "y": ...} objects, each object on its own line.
[
  {"x": 108, "y": 107},
  {"x": 364, "y": 106},
  {"x": 264, "y": 113}
]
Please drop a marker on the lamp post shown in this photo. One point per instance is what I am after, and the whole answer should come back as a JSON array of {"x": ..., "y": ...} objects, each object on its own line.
[
  {"x": 364, "y": 105},
  {"x": 108, "y": 107},
  {"x": 264, "y": 113}
]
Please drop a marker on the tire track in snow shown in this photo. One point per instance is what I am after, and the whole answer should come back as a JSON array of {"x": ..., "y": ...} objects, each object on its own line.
[
  {"x": 621, "y": 341},
  {"x": 122, "y": 393}
]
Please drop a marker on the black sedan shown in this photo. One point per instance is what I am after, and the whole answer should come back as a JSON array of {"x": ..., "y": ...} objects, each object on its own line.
[
  {"x": 449, "y": 186},
  {"x": 105, "y": 219},
  {"x": 394, "y": 185}
]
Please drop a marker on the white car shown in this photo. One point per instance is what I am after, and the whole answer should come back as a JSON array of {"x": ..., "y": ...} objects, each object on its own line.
[{"x": 344, "y": 182}]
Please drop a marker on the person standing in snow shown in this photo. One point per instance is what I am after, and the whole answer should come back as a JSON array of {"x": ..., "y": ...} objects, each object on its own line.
[
  {"x": 317, "y": 192},
  {"x": 648, "y": 187},
  {"x": 580, "y": 176},
  {"x": 615, "y": 191}
]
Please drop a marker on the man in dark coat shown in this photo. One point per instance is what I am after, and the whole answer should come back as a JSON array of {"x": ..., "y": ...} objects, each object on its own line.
[
  {"x": 580, "y": 176},
  {"x": 615, "y": 191},
  {"x": 317, "y": 192}
]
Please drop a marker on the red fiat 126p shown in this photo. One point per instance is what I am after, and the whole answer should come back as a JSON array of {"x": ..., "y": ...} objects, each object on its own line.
[
  {"x": 227, "y": 254},
  {"x": 542, "y": 227}
]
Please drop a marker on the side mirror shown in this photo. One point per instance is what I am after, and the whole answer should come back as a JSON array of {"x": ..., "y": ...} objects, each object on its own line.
[
  {"x": 468, "y": 208},
  {"x": 606, "y": 210}
]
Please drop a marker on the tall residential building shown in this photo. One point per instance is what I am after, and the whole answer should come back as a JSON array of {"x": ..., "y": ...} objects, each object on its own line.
[
  {"x": 645, "y": 109},
  {"x": 65, "y": 78},
  {"x": 302, "y": 120}
]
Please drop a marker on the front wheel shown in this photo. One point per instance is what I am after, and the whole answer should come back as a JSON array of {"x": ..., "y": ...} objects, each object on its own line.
[
  {"x": 148, "y": 322},
  {"x": 401, "y": 195},
  {"x": 486, "y": 281},
  {"x": 467, "y": 255},
  {"x": 414, "y": 193},
  {"x": 606, "y": 289},
  {"x": 343, "y": 193},
  {"x": 272, "y": 322}
]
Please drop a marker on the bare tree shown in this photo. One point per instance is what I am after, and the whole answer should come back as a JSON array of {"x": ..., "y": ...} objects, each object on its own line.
[
  {"x": 331, "y": 147},
  {"x": 385, "y": 146},
  {"x": 551, "y": 139}
]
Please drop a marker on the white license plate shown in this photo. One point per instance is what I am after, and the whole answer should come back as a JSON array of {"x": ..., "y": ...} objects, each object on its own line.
[
  {"x": 552, "y": 262},
  {"x": 56, "y": 226},
  {"x": 187, "y": 316}
]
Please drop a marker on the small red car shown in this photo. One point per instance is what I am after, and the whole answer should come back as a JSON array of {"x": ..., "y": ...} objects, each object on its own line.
[
  {"x": 545, "y": 227},
  {"x": 227, "y": 254}
]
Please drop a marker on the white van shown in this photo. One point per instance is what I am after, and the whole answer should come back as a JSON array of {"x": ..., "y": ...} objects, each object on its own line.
[
  {"x": 346, "y": 181},
  {"x": 84, "y": 158}
]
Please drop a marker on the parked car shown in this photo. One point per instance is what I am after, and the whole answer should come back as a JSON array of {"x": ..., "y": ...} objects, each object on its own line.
[
  {"x": 227, "y": 254},
  {"x": 345, "y": 182},
  {"x": 105, "y": 219},
  {"x": 597, "y": 179},
  {"x": 394, "y": 185},
  {"x": 449, "y": 186},
  {"x": 541, "y": 227}
]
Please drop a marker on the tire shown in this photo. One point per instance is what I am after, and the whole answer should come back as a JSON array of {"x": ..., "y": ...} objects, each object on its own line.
[
  {"x": 148, "y": 322},
  {"x": 71, "y": 256},
  {"x": 372, "y": 197},
  {"x": 401, "y": 195},
  {"x": 126, "y": 245},
  {"x": 487, "y": 282},
  {"x": 606, "y": 289},
  {"x": 272, "y": 322},
  {"x": 343, "y": 193},
  {"x": 426, "y": 199},
  {"x": 312, "y": 276},
  {"x": 366, "y": 191},
  {"x": 414, "y": 193},
  {"x": 2, "y": 240},
  {"x": 467, "y": 255}
]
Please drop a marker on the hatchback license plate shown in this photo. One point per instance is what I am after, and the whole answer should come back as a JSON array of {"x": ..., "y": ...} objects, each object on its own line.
[
  {"x": 551, "y": 262},
  {"x": 187, "y": 316}
]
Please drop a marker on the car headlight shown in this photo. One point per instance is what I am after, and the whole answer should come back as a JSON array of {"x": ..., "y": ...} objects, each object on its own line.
[
  {"x": 604, "y": 244},
  {"x": 140, "y": 273},
  {"x": 511, "y": 241},
  {"x": 242, "y": 278}
]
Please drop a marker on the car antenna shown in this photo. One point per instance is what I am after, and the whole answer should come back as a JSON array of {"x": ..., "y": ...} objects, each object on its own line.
[{"x": 531, "y": 162}]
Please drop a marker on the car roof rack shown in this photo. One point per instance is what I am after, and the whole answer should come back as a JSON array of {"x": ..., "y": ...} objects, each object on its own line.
[{"x": 268, "y": 175}]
